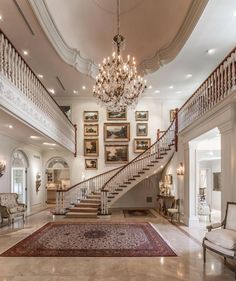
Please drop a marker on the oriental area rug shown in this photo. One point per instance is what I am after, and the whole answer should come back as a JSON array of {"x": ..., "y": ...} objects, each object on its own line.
[{"x": 59, "y": 239}]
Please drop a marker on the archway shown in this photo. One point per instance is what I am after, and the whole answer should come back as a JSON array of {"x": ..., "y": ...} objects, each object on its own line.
[
  {"x": 57, "y": 177},
  {"x": 19, "y": 166}
]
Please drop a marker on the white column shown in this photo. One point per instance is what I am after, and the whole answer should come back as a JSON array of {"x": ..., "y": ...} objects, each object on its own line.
[{"x": 228, "y": 165}]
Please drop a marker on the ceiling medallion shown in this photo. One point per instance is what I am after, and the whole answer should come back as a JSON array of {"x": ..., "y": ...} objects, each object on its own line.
[{"x": 118, "y": 84}]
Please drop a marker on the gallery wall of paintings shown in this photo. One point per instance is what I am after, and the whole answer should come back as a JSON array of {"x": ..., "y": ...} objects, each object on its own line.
[{"x": 107, "y": 140}]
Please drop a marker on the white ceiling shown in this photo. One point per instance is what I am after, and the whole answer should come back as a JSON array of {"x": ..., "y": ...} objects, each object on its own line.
[{"x": 215, "y": 29}]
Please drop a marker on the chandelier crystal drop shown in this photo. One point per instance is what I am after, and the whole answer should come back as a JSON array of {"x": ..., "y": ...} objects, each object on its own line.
[{"x": 118, "y": 84}]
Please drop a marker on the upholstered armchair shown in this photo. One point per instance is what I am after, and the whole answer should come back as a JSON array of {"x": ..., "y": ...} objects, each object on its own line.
[
  {"x": 10, "y": 208},
  {"x": 221, "y": 237}
]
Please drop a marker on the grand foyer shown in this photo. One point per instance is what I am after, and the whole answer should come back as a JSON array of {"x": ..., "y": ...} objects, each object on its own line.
[{"x": 46, "y": 62}]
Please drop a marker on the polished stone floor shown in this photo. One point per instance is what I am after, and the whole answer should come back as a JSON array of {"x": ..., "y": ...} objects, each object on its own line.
[{"x": 187, "y": 266}]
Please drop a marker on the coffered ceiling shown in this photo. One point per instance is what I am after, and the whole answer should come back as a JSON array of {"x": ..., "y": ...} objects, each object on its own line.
[{"x": 65, "y": 40}]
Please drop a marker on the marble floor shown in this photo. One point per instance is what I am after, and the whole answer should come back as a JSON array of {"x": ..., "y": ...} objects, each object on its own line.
[{"x": 187, "y": 266}]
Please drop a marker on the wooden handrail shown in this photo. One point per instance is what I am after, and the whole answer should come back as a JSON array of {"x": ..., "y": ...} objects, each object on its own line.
[
  {"x": 135, "y": 159},
  {"x": 84, "y": 181},
  {"x": 19, "y": 54},
  {"x": 218, "y": 66}
]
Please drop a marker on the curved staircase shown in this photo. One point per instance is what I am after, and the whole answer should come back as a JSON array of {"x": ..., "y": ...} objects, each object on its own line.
[{"x": 96, "y": 195}]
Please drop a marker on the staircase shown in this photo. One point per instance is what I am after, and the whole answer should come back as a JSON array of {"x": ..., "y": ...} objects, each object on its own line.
[
  {"x": 96, "y": 195},
  {"x": 144, "y": 165},
  {"x": 86, "y": 208}
]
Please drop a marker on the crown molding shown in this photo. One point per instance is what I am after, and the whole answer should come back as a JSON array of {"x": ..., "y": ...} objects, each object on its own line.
[{"x": 86, "y": 66}]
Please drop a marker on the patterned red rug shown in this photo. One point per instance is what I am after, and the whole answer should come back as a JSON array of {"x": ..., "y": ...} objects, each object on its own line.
[{"x": 92, "y": 240}]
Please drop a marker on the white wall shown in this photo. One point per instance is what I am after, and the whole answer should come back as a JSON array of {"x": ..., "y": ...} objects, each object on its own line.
[{"x": 35, "y": 200}]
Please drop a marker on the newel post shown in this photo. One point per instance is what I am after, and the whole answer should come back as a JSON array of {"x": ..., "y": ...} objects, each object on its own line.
[
  {"x": 104, "y": 202},
  {"x": 158, "y": 133},
  {"x": 176, "y": 128}
]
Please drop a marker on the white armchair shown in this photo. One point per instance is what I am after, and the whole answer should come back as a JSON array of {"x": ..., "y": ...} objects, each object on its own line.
[{"x": 221, "y": 237}]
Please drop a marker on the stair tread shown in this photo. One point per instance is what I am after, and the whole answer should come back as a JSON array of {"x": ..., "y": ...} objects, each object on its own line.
[{"x": 81, "y": 215}]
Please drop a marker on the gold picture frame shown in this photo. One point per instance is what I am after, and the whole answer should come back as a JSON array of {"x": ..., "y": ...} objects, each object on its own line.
[
  {"x": 91, "y": 164},
  {"x": 116, "y": 153},
  {"x": 117, "y": 116},
  {"x": 91, "y": 147},
  {"x": 91, "y": 130},
  {"x": 140, "y": 145},
  {"x": 142, "y": 129},
  {"x": 141, "y": 115},
  {"x": 91, "y": 116},
  {"x": 114, "y": 132}
]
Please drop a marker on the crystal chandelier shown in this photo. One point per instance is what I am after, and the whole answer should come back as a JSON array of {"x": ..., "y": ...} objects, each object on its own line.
[{"x": 118, "y": 85}]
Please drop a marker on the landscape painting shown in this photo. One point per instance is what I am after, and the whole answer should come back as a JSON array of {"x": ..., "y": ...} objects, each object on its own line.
[
  {"x": 116, "y": 132},
  {"x": 90, "y": 130},
  {"x": 141, "y": 115},
  {"x": 142, "y": 129},
  {"x": 141, "y": 145},
  {"x": 90, "y": 147},
  {"x": 121, "y": 115},
  {"x": 91, "y": 164},
  {"x": 90, "y": 116},
  {"x": 116, "y": 154}
]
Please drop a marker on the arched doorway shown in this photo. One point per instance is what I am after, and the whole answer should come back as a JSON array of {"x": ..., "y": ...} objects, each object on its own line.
[
  {"x": 58, "y": 177},
  {"x": 19, "y": 166}
]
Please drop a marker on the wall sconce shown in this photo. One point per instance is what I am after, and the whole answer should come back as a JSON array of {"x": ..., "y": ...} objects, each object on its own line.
[
  {"x": 180, "y": 170},
  {"x": 2, "y": 167}
]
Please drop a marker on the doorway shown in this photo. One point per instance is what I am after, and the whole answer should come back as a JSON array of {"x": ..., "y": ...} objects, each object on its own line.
[
  {"x": 205, "y": 176},
  {"x": 19, "y": 169}
]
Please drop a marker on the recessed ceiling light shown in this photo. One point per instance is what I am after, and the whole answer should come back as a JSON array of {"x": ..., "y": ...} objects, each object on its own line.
[
  {"x": 211, "y": 51},
  {"x": 235, "y": 14},
  {"x": 25, "y": 52},
  {"x": 161, "y": 166},
  {"x": 157, "y": 91},
  {"x": 150, "y": 87},
  {"x": 83, "y": 87},
  {"x": 171, "y": 87},
  {"x": 49, "y": 143},
  {"x": 40, "y": 76},
  {"x": 179, "y": 92},
  {"x": 10, "y": 126},
  {"x": 52, "y": 91},
  {"x": 34, "y": 137},
  {"x": 1, "y": 18},
  {"x": 189, "y": 75},
  {"x": 75, "y": 92}
]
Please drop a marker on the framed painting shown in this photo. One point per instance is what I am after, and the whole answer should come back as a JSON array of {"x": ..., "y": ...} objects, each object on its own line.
[
  {"x": 91, "y": 147},
  {"x": 67, "y": 110},
  {"x": 116, "y": 153},
  {"x": 91, "y": 164},
  {"x": 172, "y": 114},
  {"x": 141, "y": 145},
  {"x": 90, "y": 116},
  {"x": 141, "y": 115},
  {"x": 142, "y": 129},
  {"x": 116, "y": 132},
  {"x": 91, "y": 130},
  {"x": 113, "y": 116}
]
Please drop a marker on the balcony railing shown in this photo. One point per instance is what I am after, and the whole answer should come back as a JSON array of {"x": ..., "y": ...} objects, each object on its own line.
[
  {"x": 22, "y": 94},
  {"x": 220, "y": 84}
]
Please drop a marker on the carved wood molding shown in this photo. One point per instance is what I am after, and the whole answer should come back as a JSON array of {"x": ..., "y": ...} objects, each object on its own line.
[
  {"x": 88, "y": 67},
  {"x": 55, "y": 127}
]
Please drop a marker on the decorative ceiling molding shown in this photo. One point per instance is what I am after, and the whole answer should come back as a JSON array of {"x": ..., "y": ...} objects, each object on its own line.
[{"x": 88, "y": 67}]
